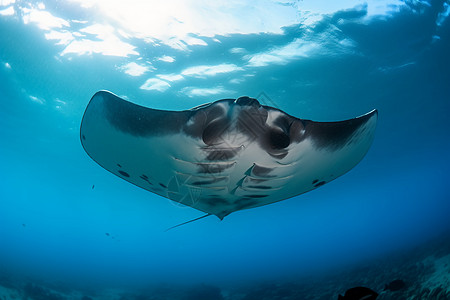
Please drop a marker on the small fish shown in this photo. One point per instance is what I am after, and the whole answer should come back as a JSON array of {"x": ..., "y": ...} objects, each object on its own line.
[
  {"x": 93, "y": 186},
  {"x": 107, "y": 234},
  {"x": 395, "y": 285},
  {"x": 24, "y": 225},
  {"x": 359, "y": 293}
]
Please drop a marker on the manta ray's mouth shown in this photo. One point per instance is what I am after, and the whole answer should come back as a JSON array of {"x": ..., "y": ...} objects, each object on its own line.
[{"x": 223, "y": 156}]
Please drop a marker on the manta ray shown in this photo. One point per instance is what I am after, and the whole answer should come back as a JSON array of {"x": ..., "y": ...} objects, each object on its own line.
[{"x": 224, "y": 156}]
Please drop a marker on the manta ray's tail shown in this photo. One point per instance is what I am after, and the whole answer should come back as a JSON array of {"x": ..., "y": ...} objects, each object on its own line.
[{"x": 207, "y": 215}]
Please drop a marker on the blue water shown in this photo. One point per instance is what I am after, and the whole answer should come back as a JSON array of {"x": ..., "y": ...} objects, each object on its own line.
[{"x": 63, "y": 217}]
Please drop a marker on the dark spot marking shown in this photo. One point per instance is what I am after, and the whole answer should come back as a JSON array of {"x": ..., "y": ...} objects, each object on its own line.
[
  {"x": 123, "y": 173},
  {"x": 83, "y": 137},
  {"x": 145, "y": 178},
  {"x": 315, "y": 181},
  {"x": 163, "y": 185},
  {"x": 320, "y": 183},
  {"x": 119, "y": 165}
]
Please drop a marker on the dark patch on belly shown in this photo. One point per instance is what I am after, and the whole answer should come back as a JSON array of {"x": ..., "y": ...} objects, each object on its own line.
[
  {"x": 278, "y": 139},
  {"x": 212, "y": 134}
]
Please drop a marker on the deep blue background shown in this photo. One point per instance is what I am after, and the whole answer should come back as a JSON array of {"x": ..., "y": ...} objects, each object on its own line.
[{"x": 53, "y": 225}]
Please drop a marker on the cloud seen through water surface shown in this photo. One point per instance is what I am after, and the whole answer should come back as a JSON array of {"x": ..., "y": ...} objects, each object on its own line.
[{"x": 134, "y": 29}]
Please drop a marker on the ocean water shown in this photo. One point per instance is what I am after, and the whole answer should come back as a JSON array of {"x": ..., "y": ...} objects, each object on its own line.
[{"x": 66, "y": 221}]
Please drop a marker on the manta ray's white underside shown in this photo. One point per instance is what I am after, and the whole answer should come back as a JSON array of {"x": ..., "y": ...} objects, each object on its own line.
[{"x": 224, "y": 156}]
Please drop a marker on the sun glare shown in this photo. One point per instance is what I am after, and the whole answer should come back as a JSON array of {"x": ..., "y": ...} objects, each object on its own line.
[{"x": 117, "y": 28}]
